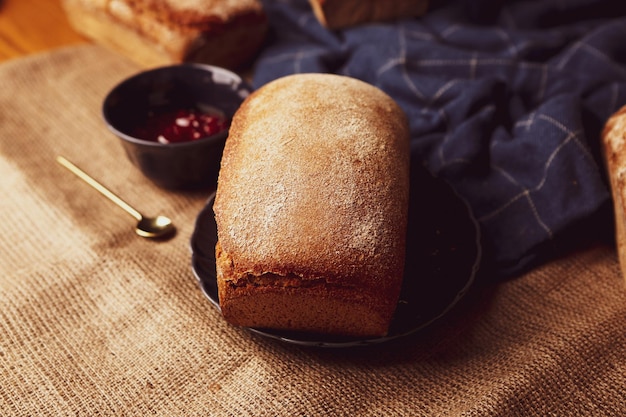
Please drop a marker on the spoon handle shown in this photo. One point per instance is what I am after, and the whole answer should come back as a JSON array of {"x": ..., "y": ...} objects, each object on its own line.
[{"x": 102, "y": 189}]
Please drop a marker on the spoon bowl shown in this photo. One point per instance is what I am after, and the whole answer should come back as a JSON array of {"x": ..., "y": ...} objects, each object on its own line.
[
  {"x": 148, "y": 227},
  {"x": 155, "y": 227}
]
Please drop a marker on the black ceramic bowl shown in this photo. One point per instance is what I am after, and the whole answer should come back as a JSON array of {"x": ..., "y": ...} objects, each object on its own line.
[{"x": 177, "y": 165}]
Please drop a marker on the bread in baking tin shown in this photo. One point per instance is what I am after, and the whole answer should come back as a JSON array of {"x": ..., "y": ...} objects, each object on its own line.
[{"x": 337, "y": 14}]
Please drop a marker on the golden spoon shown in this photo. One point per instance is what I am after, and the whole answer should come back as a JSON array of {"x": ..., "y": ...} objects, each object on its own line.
[{"x": 151, "y": 227}]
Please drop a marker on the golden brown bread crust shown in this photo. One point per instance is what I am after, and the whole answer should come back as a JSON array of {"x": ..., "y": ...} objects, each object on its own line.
[
  {"x": 160, "y": 32},
  {"x": 336, "y": 14},
  {"x": 614, "y": 147},
  {"x": 312, "y": 199}
]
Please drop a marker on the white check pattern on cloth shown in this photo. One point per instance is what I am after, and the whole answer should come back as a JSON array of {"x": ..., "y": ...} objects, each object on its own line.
[{"x": 509, "y": 113}]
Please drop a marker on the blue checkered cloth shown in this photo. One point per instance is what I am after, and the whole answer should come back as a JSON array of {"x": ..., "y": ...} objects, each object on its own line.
[{"x": 506, "y": 102}]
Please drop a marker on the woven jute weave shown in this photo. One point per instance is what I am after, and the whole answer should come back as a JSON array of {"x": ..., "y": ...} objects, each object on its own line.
[{"x": 95, "y": 321}]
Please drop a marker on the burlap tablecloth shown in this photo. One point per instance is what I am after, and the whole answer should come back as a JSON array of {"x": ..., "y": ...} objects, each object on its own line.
[{"x": 97, "y": 321}]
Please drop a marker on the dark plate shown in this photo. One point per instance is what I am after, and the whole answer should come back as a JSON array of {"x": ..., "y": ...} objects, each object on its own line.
[{"x": 443, "y": 255}]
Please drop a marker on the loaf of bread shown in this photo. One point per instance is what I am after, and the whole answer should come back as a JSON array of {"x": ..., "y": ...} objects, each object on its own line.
[
  {"x": 226, "y": 33},
  {"x": 337, "y": 14},
  {"x": 614, "y": 148},
  {"x": 311, "y": 207}
]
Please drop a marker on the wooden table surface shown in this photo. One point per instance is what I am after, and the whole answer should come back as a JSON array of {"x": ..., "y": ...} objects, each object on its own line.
[{"x": 30, "y": 26}]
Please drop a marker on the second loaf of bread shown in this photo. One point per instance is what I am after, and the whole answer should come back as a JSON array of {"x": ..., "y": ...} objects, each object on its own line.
[
  {"x": 163, "y": 32},
  {"x": 312, "y": 206}
]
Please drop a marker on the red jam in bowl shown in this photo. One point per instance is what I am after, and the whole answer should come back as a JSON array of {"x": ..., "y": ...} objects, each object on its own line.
[{"x": 184, "y": 125}]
